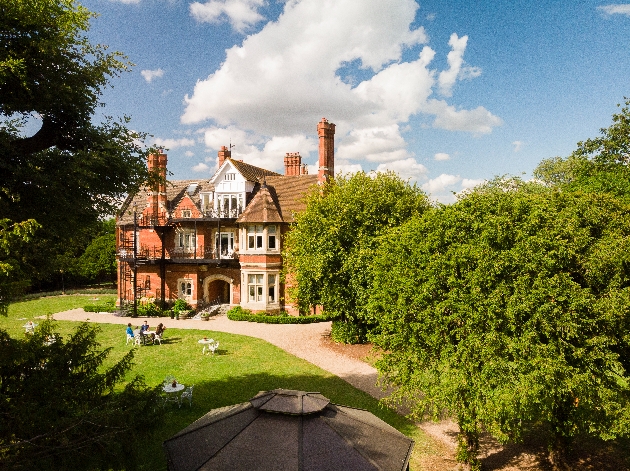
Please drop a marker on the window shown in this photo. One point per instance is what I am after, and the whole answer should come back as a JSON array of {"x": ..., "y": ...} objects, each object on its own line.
[
  {"x": 185, "y": 288},
  {"x": 255, "y": 288},
  {"x": 186, "y": 213},
  {"x": 230, "y": 176},
  {"x": 271, "y": 283},
  {"x": 271, "y": 237},
  {"x": 185, "y": 239},
  {"x": 224, "y": 243},
  {"x": 254, "y": 237}
]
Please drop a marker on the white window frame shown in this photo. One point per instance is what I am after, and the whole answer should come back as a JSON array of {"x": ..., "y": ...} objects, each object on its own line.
[
  {"x": 272, "y": 235},
  {"x": 231, "y": 241},
  {"x": 255, "y": 237},
  {"x": 185, "y": 239},
  {"x": 185, "y": 289},
  {"x": 255, "y": 287}
]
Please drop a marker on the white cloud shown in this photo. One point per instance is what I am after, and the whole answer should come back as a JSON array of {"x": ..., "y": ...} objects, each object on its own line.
[
  {"x": 200, "y": 167},
  {"x": 441, "y": 156},
  {"x": 378, "y": 144},
  {"x": 615, "y": 9},
  {"x": 478, "y": 121},
  {"x": 174, "y": 143},
  {"x": 468, "y": 183},
  {"x": 344, "y": 168},
  {"x": 281, "y": 80},
  {"x": 149, "y": 75},
  {"x": 407, "y": 169},
  {"x": 242, "y": 14},
  {"x": 189, "y": 153},
  {"x": 441, "y": 183},
  {"x": 518, "y": 145},
  {"x": 456, "y": 68}
]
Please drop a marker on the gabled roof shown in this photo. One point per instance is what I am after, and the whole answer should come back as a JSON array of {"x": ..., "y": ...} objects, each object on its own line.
[
  {"x": 250, "y": 172},
  {"x": 175, "y": 191},
  {"x": 262, "y": 208}
]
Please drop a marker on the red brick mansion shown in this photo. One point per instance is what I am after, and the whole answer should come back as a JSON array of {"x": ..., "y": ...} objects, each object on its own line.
[{"x": 215, "y": 241}]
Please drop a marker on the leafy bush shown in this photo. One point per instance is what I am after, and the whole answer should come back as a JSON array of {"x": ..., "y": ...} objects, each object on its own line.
[
  {"x": 239, "y": 314},
  {"x": 149, "y": 310},
  {"x": 346, "y": 332},
  {"x": 181, "y": 305}
]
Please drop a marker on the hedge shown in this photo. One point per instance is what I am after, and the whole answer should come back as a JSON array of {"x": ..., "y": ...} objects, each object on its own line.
[
  {"x": 240, "y": 314},
  {"x": 99, "y": 308}
]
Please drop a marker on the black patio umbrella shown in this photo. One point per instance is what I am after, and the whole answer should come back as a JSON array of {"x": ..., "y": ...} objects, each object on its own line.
[{"x": 288, "y": 430}]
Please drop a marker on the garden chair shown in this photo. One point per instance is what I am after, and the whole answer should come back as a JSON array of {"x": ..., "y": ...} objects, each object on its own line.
[
  {"x": 187, "y": 394},
  {"x": 129, "y": 339},
  {"x": 157, "y": 338},
  {"x": 137, "y": 340},
  {"x": 213, "y": 347}
]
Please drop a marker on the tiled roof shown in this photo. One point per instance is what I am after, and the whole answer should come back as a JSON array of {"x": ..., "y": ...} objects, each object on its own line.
[
  {"x": 262, "y": 208},
  {"x": 175, "y": 191},
  {"x": 250, "y": 172},
  {"x": 290, "y": 193}
]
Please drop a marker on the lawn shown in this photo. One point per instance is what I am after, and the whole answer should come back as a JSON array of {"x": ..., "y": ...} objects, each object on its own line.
[{"x": 241, "y": 368}]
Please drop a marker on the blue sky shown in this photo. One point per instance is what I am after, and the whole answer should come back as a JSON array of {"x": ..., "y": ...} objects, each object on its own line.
[{"x": 446, "y": 93}]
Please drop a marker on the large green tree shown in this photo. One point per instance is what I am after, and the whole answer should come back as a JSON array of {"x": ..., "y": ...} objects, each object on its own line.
[
  {"x": 62, "y": 407},
  {"x": 75, "y": 168},
  {"x": 329, "y": 249},
  {"x": 508, "y": 308}
]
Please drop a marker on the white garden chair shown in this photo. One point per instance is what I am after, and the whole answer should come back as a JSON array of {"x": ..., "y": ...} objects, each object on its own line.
[
  {"x": 129, "y": 339},
  {"x": 157, "y": 338},
  {"x": 187, "y": 394}
]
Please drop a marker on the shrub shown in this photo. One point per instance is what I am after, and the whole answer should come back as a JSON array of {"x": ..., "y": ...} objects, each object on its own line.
[
  {"x": 346, "y": 332},
  {"x": 107, "y": 306},
  {"x": 239, "y": 314},
  {"x": 181, "y": 305}
]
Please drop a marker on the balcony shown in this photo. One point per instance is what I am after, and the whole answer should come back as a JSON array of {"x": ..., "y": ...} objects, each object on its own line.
[{"x": 178, "y": 254}]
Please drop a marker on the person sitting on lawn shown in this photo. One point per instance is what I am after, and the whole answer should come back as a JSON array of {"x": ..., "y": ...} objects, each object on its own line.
[
  {"x": 159, "y": 330},
  {"x": 144, "y": 327}
]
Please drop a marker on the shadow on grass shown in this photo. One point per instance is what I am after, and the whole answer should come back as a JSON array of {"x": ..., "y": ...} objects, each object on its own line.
[{"x": 209, "y": 394}]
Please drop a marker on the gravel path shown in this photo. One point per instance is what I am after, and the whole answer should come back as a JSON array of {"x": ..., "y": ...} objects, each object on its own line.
[{"x": 303, "y": 341}]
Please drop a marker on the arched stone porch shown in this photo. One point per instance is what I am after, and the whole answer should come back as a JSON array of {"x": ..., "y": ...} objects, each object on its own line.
[{"x": 217, "y": 288}]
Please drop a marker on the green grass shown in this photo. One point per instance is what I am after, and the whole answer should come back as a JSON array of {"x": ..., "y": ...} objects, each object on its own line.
[{"x": 241, "y": 368}]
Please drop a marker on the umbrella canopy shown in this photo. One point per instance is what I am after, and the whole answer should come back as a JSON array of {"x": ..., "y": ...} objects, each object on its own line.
[{"x": 288, "y": 430}]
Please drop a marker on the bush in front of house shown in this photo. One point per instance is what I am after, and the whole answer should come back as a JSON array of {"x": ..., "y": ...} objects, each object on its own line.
[
  {"x": 348, "y": 332},
  {"x": 239, "y": 314}
]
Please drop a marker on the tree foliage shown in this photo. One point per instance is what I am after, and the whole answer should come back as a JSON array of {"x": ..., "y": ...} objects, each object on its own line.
[
  {"x": 599, "y": 164},
  {"x": 62, "y": 408},
  {"x": 507, "y": 308},
  {"x": 329, "y": 249},
  {"x": 75, "y": 168}
]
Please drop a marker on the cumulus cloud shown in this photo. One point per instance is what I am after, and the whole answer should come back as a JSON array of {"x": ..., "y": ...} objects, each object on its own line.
[
  {"x": 149, "y": 75},
  {"x": 345, "y": 168},
  {"x": 200, "y": 167},
  {"x": 441, "y": 156},
  {"x": 281, "y": 80},
  {"x": 615, "y": 9},
  {"x": 174, "y": 143},
  {"x": 189, "y": 153},
  {"x": 408, "y": 169},
  {"x": 456, "y": 68},
  {"x": 242, "y": 14},
  {"x": 468, "y": 183},
  {"x": 441, "y": 183},
  {"x": 518, "y": 145}
]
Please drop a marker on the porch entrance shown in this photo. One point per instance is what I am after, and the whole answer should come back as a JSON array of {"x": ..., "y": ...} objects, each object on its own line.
[{"x": 217, "y": 290}]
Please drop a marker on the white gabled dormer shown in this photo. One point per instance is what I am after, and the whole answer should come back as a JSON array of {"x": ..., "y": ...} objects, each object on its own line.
[{"x": 230, "y": 190}]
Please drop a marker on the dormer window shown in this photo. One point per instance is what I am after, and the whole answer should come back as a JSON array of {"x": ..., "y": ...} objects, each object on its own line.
[{"x": 230, "y": 176}]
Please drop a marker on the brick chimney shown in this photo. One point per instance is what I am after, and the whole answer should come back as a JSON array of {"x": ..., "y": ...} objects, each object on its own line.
[
  {"x": 326, "y": 133},
  {"x": 156, "y": 200},
  {"x": 224, "y": 153},
  {"x": 292, "y": 164}
]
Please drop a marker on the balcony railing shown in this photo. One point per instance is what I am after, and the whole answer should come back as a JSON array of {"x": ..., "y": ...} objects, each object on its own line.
[
  {"x": 223, "y": 213},
  {"x": 146, "y": 252}
]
